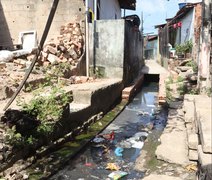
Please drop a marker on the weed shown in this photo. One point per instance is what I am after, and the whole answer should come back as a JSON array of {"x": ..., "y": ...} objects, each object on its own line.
[
  {"x": 184, "y": 48},
  {"x": 193, "y": 91},
  {"x": 209, "y": 92},
  {"x": 180, "y": 79},
  {"x": 194, "y": 65},
  {"x": 181, "y": 89},
  {"x": 46, "y": 106}
]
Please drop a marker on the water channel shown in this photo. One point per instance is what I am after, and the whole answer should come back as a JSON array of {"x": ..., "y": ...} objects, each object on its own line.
[{"x": 140, "y": 118}]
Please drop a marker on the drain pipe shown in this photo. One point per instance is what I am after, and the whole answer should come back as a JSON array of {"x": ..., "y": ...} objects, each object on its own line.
[
  {"x": 87, "y": 38},
  {"x": 95, "y": 10}
]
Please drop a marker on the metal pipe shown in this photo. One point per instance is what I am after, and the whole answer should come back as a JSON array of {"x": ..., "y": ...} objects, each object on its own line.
[
  {"x": 95, "y": 10},
  {"x": 43, "y": 38},
  {"x": 87, "y": 38}
]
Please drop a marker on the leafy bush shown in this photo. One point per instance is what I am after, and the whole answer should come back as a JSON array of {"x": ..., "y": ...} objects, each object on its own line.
[
  {"x": 193, "y": 64},
  {"x": 184, "y": 48}
]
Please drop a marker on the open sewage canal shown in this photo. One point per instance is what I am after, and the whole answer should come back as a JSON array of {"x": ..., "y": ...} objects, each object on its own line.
[{"x": 113, "y": 153}]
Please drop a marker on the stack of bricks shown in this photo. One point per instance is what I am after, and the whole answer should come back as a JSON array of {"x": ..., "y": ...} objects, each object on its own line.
[{"x": 68, "y": 47}]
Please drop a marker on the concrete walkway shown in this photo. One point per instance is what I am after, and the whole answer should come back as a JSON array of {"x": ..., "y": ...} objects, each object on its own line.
[
  {"x": 152, "y": 67},
  {"x": 198, "y": 116}
]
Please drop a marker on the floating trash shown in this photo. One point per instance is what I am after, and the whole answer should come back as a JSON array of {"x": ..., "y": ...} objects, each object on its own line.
[
  {"x": 117, "y": 175},
  {"x": 137, "y": 144},
  {"x": 98, "y": 140},
  {"x": 112, "y": 166},
  {"x": 118, "y": 151}
]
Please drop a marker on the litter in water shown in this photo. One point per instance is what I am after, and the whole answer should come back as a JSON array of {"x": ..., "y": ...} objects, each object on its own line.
[
  {"x": 112, "y": 166},
  {"x": 117, "y": 175},
  {"x": 118, "y": 151}
]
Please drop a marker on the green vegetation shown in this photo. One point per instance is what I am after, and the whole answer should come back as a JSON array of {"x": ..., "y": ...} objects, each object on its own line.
[
  {"x": 209, "y": 92},
  {"x": 184, "y": 48},
  {"x": 194, "y": 65},
  {"x": 181, "y": 88},
  {"x": 17, "y": 140},
  {"x": 47, "y": 106},
  {"x": 97, "y": 71},
  {"x": 58, "y": 158},
  {"x": 169, "y": 96}
]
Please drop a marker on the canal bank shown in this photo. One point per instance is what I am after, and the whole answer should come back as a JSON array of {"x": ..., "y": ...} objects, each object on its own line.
[
  {"x": 131, "y": 127},
  {"x": 88, "y": 106}
]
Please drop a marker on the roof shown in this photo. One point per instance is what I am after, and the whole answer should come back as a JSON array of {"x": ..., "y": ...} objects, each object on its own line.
[
  {"x": 180, "y": 14},
  {"x": 152, "y": 37},
  {"x": 160, "y": 25},
  {"x": 183, "y": 11},
  {"x": 128, "y": 4}
]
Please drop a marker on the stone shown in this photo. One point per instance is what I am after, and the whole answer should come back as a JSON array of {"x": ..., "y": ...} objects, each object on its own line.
[
  {"x": 72, "y": 53},
  {"x": 2, "y": 65},
  {"x": 175, "y": 104},
  {"x": 1, "y": 147},
  {"x": 25, "y": 176},
  {"x": 84, "y": 79},
  {"x": 53, "y": 59},
  {"x": 20, "y": 62},
  {"x": 30, "y": 57},
  {"x": 46, "y": 63},
  {"x": 184, "y": 68},
  {"x": 192, "y": 155},
  {"x": 162, "y": 177},
  {"x": 205, "y": 129},
  {"x": 173, "y": 148},
  {"x": 62, "y": 48},
  {"x": 205, "y": 160},
  {"x": 5, "y": 92},
  {"x": 51, "y": 50},
  {"x": 193, "y": 77},
  {"x": 189, "y": 111},
  {"x": 1, "y": 157},
  {"x": 192, "y": 141}
]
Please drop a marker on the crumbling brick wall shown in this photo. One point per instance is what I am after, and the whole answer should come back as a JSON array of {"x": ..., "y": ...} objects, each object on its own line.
[{"x": 25, "y": 15}]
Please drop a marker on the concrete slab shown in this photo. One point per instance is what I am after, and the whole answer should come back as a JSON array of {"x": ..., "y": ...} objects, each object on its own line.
[
  {"x": 162, "y": 177},
  {"x": 204, "y": 121},
  {"x": 205, "y": 159},
  {"x": 188, "y": 107},
  {"x": 74, "y": 107},
  {"x": 192, "y": 155},
  {"x": 205, "y": 129},
  {"x": 173, "y": 148},
  {"x": 152, "y": 67},
  {"x": 192, "y": 141}
]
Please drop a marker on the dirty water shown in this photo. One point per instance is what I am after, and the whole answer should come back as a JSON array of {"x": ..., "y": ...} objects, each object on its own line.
[{"x": 120, "y": 144}]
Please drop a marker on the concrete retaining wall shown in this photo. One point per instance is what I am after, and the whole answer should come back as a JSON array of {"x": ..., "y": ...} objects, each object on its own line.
[
  {"x": 94, "y": 100},
  {"x": 118, "y": 50}
]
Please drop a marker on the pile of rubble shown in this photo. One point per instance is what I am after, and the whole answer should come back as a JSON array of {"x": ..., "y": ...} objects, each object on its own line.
[
  {"x": 186, "y": 70},
  {"x": 68, "y": 47}
]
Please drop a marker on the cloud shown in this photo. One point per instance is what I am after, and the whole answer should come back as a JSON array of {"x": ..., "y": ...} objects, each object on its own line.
[{"x": 151, "y": 6}]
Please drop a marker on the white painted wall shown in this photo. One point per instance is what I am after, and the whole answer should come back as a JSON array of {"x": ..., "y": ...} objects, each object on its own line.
[{"x": 187, "y": 29}]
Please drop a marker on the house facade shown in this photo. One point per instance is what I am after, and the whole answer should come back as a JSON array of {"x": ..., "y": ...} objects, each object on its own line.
[
  {"x": 184, "y": 27},
  {"x": 150, "y": 47},
  {"x": 28, "y": 15}
]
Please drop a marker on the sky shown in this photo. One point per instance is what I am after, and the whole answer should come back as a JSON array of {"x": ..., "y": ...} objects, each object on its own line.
[{"x": 154, "y": 12}]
